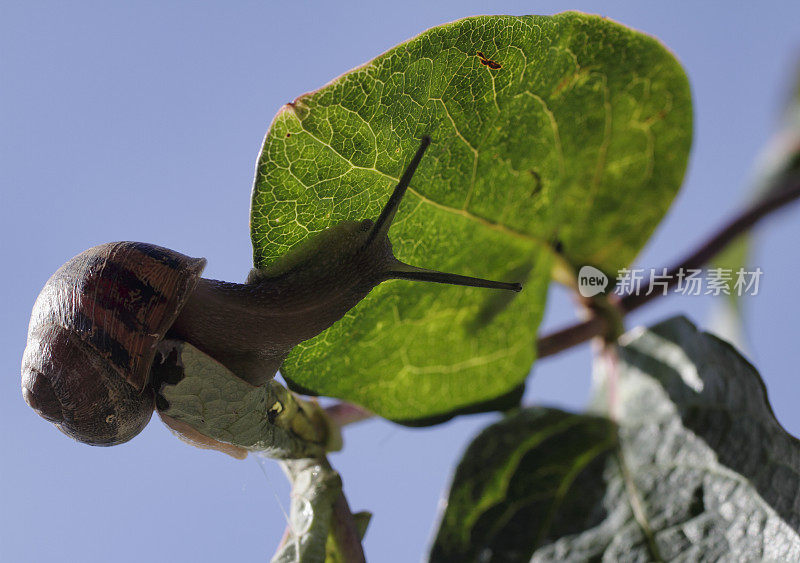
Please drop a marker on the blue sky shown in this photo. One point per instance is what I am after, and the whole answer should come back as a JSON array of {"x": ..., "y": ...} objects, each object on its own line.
[{"x": 123, "y": 121}]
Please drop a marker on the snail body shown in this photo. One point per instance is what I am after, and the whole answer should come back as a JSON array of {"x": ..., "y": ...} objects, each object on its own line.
[
  {"x": 96, "y": 325},
  {"x": 250, "y": 328}
]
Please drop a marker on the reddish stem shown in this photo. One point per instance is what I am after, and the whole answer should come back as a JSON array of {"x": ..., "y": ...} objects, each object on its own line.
[
  {"x": 595, "y": 326},
  {"x": 345, "y": 533},
  {"x": 343, "y": 414}
]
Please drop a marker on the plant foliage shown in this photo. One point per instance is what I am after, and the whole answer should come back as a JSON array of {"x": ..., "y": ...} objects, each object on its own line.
[
  {"x": 558, "y": 141},
  {"x": 695, "y": 467}
]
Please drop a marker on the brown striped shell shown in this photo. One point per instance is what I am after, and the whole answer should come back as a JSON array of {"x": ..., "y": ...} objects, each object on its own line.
[{"x": 93, "y": 335}]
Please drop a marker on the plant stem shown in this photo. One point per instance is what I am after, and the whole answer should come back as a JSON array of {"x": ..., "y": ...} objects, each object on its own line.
[
  {"x": 345, "y": 534},
  {"x": 319, "y": 512},
  {"x": 343, "y": 414},
  {"x": 595, "y": 326},
  {"x": 566, "y": 338}
]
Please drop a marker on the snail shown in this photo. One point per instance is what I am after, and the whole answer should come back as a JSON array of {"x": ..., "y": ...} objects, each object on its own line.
[{"x": 97, "y": 323}]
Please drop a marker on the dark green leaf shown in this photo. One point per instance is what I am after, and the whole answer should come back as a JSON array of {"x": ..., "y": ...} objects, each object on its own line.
[
  {"x": 567, "y": 132},
  {"x": 701, "y": 469},
  {"x": 532, "y": 475}
]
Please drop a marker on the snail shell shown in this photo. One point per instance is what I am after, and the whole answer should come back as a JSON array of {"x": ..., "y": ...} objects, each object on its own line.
[{"x": 93, "y": 335}]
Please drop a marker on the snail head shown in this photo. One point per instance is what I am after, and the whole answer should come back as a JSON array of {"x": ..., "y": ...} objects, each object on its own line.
[{"x": 358, "y": 254}]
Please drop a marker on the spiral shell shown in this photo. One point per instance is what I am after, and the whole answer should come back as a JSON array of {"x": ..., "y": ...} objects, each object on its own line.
[{"x": 93, "y": 335}]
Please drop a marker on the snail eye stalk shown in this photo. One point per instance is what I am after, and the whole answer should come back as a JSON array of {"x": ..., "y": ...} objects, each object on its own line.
[
  {"x": 384, "y": 220},
  {"x": 400, "y": 270},
  {"x": 403, "y": 271}
]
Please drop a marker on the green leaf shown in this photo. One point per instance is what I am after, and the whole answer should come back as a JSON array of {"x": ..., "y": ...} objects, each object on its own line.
[
  {"x": 533, "y": 474},
  {"x": 568, "y": 132},
  {"x": 197, "y": 391},
  {"x": 698, "y": 468}
]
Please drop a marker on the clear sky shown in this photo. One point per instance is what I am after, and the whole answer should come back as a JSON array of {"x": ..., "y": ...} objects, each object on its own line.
[{"x": 142, "y": 121}]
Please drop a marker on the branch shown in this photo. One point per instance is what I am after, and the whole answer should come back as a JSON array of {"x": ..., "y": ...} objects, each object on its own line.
[
  {"x": 342, "y": 414},
  {"x": 565, "y": 338},
  {"x": 581, "y": 332},
  {"x": 345, "y": 534},
  {"x": 319, "y": 512}
]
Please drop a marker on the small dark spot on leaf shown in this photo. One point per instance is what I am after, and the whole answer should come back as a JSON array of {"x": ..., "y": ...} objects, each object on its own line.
[
  {"x": 485, "y": 61},
  {"x": 697, "y": 506},
  {"x": 288, "y": 135},
  {"x": 537, "y": 187},
  {"x": 563, "y": 84},
  {"x": 558, "y": 246}
]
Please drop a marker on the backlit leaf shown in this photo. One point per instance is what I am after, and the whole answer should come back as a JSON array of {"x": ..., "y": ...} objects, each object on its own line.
[{"x": 556, "y": 140}]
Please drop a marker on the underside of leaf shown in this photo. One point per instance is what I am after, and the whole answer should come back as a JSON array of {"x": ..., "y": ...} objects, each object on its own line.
[
  {"x": 695, "y": 468},
  {"x": 556, "y": 140}
]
